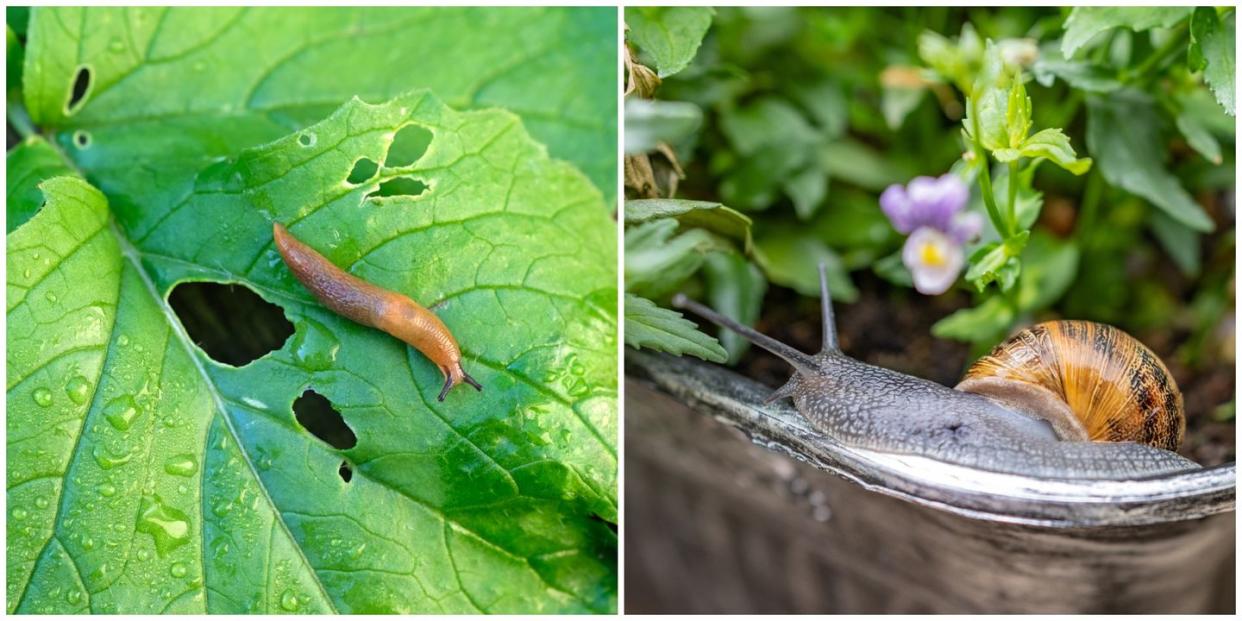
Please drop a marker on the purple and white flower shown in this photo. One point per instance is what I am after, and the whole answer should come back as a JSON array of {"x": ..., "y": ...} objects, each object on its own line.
[{"x": 930, "y": 211}]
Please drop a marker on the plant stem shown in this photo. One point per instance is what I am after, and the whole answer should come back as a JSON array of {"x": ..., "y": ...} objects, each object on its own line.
[
  {"x": 20, "y": 120},
  {"x": 985, "y": 173},
  {"x": 1013, "y": 198},
  {"x": 1090, "y": 206},
  {"x": 1175, "y": 44}
]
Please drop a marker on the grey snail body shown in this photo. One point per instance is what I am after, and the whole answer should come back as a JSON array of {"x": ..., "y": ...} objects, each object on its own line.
[{"x": 879, "y": 409}]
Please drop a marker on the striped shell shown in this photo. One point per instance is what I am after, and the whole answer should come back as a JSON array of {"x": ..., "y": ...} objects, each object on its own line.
[{"x": 1090, "y": 381}]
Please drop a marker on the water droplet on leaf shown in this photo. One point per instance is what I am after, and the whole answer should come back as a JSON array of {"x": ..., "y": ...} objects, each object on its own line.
[
  {"x": 121, "y": 412},
  {"x": 43, "y": 397},
  {"x": 78, "y": 389}
]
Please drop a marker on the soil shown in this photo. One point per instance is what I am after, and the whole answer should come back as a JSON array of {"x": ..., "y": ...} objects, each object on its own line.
[{"x": 892, "y": 328}]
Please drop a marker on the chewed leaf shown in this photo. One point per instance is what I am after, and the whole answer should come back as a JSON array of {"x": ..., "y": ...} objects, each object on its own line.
[
  {"x": 209, "y": 81},
  {"x": 152, "y": 478}
]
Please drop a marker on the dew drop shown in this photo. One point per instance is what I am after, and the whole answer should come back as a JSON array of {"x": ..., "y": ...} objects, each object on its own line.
[
  {"x": 121, "y": 412},
  {"x": 78, "y": 389},
  {"x": 289, "y": 600},
  {"x": 144, "y": 555},
  {"x": 107, "y": 460},
  {"x": 42, "y": 502},
  {"x": 43, "y": 397},
  {"x": 107, "y": 490},
  {"x": 19, "y": 514},
  {"x": 182, "y": 465},
  {"x": 116, "y": 45},
  {"x": 88, "y": 544},
  {"x": 51, "y": 297},
  {"x": 122, "y": 340},
  {"x": 26, "y": 273},
  {"x": 178, "y": 570},
  {"x": 314, "y": 346},
  {"x": 169, "y": 526},
  {"x": 73, "y": 596}
]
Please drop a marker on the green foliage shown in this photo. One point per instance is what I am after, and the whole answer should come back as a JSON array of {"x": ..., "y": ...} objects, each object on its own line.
[
  {"x": 809, "y": 114},
  {"x": 648, "y": 123},
  {"x": 652, "y": 327},
  {"x": 145, "y": 477},
  {"x": 667, "y": 37},
  {"x": 1085, "y": 22}
]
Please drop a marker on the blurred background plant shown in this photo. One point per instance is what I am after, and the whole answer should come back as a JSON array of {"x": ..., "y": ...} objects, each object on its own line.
[{"x": 760, "y": 140}]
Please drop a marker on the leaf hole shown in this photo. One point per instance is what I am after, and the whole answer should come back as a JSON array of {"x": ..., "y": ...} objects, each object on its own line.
[
  {"x": 229, "y": 322},
  {"x": 401, "y": 186},
  {"x": 306, "y": 139},
  {"x": 316, "y": 414},
  {"x": 346, "y": 472},
  {"x": 81, "y": 84},
  {"x": 408, "y": 145},
  {"x": 82, "y": 139},
  {"x": 364, "y": 169}
]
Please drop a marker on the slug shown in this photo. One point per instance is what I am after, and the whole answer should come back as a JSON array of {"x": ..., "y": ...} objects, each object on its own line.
[
  {"x": 374, "y": 307},
  {"x": 1069, "y": 400}
]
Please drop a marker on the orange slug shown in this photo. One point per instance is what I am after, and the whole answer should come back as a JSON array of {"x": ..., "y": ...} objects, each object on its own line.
[{"x": 375, "y": 307}]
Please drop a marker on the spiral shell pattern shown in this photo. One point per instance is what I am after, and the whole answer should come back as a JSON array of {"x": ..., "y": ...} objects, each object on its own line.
[{"x": 1115, "y": 386}]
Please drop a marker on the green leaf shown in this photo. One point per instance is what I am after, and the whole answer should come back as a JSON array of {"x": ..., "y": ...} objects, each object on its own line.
[
  {"x": 650, "y": 122},
  {"x": 152, "y": 478},
  {"x": 667, "y": 37},
  {"x": 861, "y": 165},
  {"x": 702, "y": 214},
  {"x": 28, "y": 164},
  {"x": 1085, "y": 22},
  {"x": 1198, "y": 136},
  {"x": 1180, "y": 241},
  {"x": 770, "y": 121},
  {"x": 827, "y": 104},
  {"x": 997, "y": 261},
  {"x": 651, "y": 327},
  {"x": 790, "y": 257},
  {"x": 1054, "y": 146},
  {"x": 735, "y": 288},
  {"x": 211, "y": 81},
  {"x": 807, "y": 190},
  {"x": 986, "y": 322},
  {"x": 897, "y": 102},
  {"x": 14, "y": 56},
  {"x": 1123, "y": 133},
  {"x": 1082, "y": 75},
  {"x": 1212, "y": 44},
  {"x": 656, "y": 263},
  {"x": 1049, "y": 266}
]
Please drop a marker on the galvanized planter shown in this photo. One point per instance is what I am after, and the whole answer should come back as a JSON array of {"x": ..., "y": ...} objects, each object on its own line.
[{"x": 718, "y": 524}]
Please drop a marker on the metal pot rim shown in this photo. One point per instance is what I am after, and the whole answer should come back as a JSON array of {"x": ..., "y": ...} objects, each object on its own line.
[{"x": 732, "y": 399}]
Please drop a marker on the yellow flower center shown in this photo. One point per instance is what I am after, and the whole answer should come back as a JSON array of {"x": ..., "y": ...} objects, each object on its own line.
[{"x": 931, "y": 255}]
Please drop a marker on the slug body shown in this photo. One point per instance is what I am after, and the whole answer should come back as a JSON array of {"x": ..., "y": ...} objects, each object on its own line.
[
  {"x": 879, "y": 409},
  {"x": 375, "y": 307}
]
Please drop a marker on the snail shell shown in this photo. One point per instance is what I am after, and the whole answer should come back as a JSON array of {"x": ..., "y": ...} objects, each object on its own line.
[{"x": 1090, "y": 381}]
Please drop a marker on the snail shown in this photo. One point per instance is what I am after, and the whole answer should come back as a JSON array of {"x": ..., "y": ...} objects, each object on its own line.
[
  {"x": 1065, "y": 399},
  {"x": 375, "y": 307}
]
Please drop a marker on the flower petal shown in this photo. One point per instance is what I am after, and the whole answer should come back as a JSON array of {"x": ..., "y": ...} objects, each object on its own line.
[
  {"x": 934, "y": 260},
  {"x": 896, "y": 205}
]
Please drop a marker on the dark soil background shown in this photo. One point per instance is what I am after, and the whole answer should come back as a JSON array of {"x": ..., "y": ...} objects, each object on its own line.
[{"x": 892, "y": 328}]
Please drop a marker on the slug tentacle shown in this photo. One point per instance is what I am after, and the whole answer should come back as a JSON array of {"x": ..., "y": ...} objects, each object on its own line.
[
  {"x": 802, "y": 362},
  {"x": 825, "y": 307},
  {"x": 375, "y": 307}
]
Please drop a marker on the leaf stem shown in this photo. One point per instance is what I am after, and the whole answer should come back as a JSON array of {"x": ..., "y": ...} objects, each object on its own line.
[
  {"x": 1176, "y": 43},
  {"x": 1090, "y": 206},
  {"x": 985, "y": 174},
  {"x": 1013, "y": 198},
  {"x": 20, "y": 120}
]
